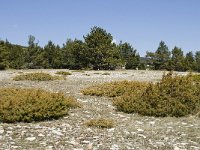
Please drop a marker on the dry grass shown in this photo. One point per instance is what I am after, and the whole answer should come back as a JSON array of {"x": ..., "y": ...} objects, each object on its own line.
[
  {"x": 100, "y": 123},
  {"x": 174, "y": 96},
  {"x": 27, "y": 105},
  {"x": 65, "y": 73},
  {"x": 106, "y": 73},
  {"x": 36, "y": 77},
  {"x": 114, "y": 89}
]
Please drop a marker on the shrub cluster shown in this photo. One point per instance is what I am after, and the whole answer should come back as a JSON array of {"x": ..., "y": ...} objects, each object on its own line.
[
  {"x": 27, "y": 105},
  {"x": 106, "y": 73},
  {"x": 100, "y": 123},
  {"x": 174, "y": 96},
  {"x": 196, "y": 77},
  {"x": 36, "y": 77},
  {"x": 113, "y": 89},
  {"x": 65, "y": 73}
]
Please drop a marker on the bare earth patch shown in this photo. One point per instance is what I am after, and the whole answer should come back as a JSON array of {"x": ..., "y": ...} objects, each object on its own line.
[{"x": 131, "y": 131}]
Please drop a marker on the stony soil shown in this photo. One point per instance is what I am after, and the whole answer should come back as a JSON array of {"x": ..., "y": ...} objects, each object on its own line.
[{"x": 131, "y": 131}]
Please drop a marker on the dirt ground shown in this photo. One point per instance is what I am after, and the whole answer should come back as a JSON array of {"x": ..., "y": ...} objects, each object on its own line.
[{"x": 130, "y": 131}]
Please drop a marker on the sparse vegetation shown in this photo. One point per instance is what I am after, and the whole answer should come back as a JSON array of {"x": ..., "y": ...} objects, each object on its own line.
[
  {"x": 106, "y": 73},
  {"x": 28, "y": 105},
  {"x": 65, "y": 73},
  {"x": 174, "y": 96},
  {"x": 85, "y": 74},
  {"x": 36, "y": 77},
  {"x": 100, "y": 123},
  {"x": 196, "y": 77},
  {"x": 81, "y": 71},
  {"x": 114, "y": 89}
]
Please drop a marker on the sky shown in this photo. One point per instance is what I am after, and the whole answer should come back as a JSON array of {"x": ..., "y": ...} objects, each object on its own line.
[{"x": 142, "y": 23}]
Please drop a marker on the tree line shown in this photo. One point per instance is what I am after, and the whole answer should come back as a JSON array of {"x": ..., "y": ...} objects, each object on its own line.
[
  {"x": 96, "y": 51},
  {"x": 164, "y": 59}
]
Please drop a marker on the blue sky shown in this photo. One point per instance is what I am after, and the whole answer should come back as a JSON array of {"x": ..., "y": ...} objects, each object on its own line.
[{"x": 142, "y": 23}]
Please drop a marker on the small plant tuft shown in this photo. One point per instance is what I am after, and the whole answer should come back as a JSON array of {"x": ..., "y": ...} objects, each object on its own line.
[
  {"x": 36, "y": 77},
  {"x": 196, "y": 77},
  {"x": 81, "y": 71},
  {"x": 65, "y": 73},
  {"x": 100, "y": 123},
  {"x": 173, "y": 96},
  {"x": 114, "y": 89},
  {"x": 106, "y": 73},
  {"x": 28, "y": 105}
]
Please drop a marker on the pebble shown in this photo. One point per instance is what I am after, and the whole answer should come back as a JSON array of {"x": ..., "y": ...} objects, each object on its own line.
[
  {"x": 114, "y": 147},
  {"x": 13, "y": 146},
  {"x": 41, "y": 135},
  {"x": 9, "y": 132},
  {"x": 30, "y": 138},
  {"x": 85, "y": 142},
  {"x": 57, "y": 133},
  {"x": 140, "y": 130},
  {"x": 1, "y": 131},
  {"x": 176, "y": 148}
]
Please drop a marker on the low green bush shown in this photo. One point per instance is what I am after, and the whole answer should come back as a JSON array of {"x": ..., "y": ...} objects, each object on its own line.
[
  {"x": 106, "y": 73},
  {"x": 81, "y": 71},
  {"x": 28, "y": 105},
  {"x": 172, "y": 96},
  {"x": 65, "y": 73},
  {"x": 100, "y": 123},
  {"x": 196, "y": 77},
  {"x": 114, "y": 89},
  {"x": 36, "y": 77}
]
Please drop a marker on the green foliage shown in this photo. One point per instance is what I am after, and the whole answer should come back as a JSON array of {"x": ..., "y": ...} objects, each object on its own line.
[
  {"x": 114, "y": 89},
  {"x": 51, "y": 56},
  {"x": 16, "y": 56},
  {"x": 97, "y": 51},
  {"x": 189, "y": 61},
  {"x": 178, "y": 59},
  {"x": 196, "y": 77},
  {"x": 65, "y": 73},
  {"x": 103, "y": 53},
  {"x": 100, "y": 123},
  {"x": 160, "y": 59},
  {"x": 173, "y": 96},
  {"x": 36, "y": 77},
  {"x": 106, "y": 73},
  {"x": 28, "y": 105},
  {"x": 81, "y": 71},
  {"x": 129, "y": 56},
  {"x": 3, "y": 56},
  {"x": 197, "y": 61}
]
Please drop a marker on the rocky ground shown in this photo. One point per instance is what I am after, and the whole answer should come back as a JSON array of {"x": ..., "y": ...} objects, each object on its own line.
[{"x": 131, "y": 131}]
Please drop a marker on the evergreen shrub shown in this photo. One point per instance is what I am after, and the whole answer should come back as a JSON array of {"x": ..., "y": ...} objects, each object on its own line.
[{"x": 28, "y": 105}]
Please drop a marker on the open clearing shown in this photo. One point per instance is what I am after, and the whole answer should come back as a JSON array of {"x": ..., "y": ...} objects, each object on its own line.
[{"x": 130, "y": 131}]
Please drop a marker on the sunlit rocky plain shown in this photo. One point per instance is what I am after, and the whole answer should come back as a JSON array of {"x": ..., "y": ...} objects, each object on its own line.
[{"x": 130, "y": 131}]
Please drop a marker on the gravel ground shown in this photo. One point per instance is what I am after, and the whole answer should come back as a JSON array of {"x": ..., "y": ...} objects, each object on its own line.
[{"x": 131, "y": 131}]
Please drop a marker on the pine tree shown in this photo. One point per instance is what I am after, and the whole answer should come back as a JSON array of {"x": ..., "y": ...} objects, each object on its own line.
[
  {"x": 178, "y": 59},
  {"x": 103, "y": 53},
  {"x": 3, "y": 56}
]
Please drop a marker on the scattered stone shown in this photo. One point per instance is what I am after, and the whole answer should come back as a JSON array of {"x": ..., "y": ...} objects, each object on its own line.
[
  {"x": 57, "y": 133},
  {"x": 30, "y": 138},
  {"x": 15, "y": 147},
  {"x": 85, "y": 142},
  {"x": 140, "y": 130},
  {"x": 41, "y": 135},
  {"x": 176, "y": 148},
  {"x": 1, "y": 131},
  {"x": 114, "y": 147}
]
